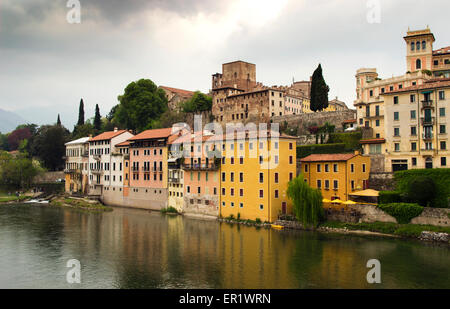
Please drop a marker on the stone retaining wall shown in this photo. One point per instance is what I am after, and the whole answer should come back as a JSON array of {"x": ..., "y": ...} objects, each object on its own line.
[{"x": 433, "y": 216}]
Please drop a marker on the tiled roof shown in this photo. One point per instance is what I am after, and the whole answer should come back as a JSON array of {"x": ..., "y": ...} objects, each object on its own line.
[
  {"x": 123, "y": 144},
  {"x": 349, "y": 121},
  {"x": 107, "y": 135},
  {"x": 78, "y": 141},
  {"x": 179, "y": 91},
  {"x": 328, "y": 157},
  {"x": 372, "y": 141},
  {"x": 431, "y": 84},
  {"x": 444, "y": 50},
  {"x": 153, "y": 134}
]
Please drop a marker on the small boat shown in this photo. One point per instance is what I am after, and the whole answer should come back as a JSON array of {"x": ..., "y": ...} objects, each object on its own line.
[{"x": 277, "y": 227}]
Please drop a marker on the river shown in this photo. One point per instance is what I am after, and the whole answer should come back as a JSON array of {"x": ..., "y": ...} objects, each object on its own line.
[{"x": 130, "y": 248}]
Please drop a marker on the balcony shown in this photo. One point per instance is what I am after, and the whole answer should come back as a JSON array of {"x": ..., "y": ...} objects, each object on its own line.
[
  {"x": 427, "y": 152},
  {"x": 72, "y": 171},
  {"x": 427, "y": 136},
  {"x": 427, "y": 121},
  {"x": 97, "y": 171},
  {"x": 174, "y": 180},
  {"x": 201, "y": 167},
  {"x": 97, "y": 157},
  {"x": 427, "y": 104}
]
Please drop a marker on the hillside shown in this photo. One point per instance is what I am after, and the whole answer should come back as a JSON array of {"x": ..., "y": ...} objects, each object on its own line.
[{"x": 9, "y": 121}]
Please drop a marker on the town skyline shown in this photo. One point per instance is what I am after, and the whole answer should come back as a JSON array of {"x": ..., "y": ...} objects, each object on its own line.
[{"x": 62, "y": 67}]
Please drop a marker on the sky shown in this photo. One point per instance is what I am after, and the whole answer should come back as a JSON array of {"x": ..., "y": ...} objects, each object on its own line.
[{"x": 48, "y": 64}]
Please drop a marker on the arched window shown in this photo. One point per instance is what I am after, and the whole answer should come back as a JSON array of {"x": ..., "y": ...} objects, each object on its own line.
[
  {"x": 418, "y": 64},
  {"x": 413, "y": 45},
  {"x": 418, "y": 45},
  {"x": 424, "y": 45}
]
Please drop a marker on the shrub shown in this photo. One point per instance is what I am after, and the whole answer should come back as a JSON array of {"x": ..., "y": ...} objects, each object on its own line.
[
  {"x": 169, "y": 210},
  {"x": 351, "y": 140},
  {"x": 387, "y": 197},
  {"x": 421, "y": 190},
  {"x": 402, "y": 212},
  {"x": 306, "y": 150},
  {"x": 441, "y": 177}
]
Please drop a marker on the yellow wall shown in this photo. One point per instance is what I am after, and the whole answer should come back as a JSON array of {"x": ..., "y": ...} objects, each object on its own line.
[
  {"x": 251, "y": 184},
  {"x": 344, "y": 176}
]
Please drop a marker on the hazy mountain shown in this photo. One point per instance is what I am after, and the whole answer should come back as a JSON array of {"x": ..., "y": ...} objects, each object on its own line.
[{"x": 9, "y": 121}]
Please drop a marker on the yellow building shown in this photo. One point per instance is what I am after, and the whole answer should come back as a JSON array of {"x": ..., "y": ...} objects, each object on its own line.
[
  {"x": 254, "y": 176},
  {"x": 336, "y": 175}
]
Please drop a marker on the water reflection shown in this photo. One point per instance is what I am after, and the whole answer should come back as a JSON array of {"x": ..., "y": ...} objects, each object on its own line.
[{"x": 137, "y": 249}]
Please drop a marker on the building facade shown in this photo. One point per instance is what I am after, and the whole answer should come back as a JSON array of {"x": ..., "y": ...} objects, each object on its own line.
[
  {"x": 76, "y": 170},
  {"x": 336, "y": 175}
]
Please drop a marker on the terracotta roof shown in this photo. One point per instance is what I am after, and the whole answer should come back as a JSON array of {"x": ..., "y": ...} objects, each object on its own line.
[
  {"x": 123, "y": 144},
  {"x": 441, "y": 51},
  {"x": 349, "y": 121},
  {"x": 153, "y": 134},
  {"x": 431, "y": 84},
  {"x": 107, "y": 135},
  {"x": 179, "y": 91},
  {"x": 328, "y": 157},
  {"x": 372, "y": 141}
]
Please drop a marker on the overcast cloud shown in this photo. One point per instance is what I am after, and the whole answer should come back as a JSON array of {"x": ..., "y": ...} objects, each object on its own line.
[{"x": 47, "y": 64}]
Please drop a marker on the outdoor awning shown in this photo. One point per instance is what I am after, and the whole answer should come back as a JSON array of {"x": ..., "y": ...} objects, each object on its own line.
[
  {"x": 426, "y": 91},
  {"x": 368, "y": 192},
  {"x": 171, "y": 160}
]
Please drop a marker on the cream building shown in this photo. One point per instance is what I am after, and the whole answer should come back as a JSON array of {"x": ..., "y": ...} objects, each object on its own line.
[
  {"x": 417, "y": 135},
  {"x": 422, "y": 64},
  {"x": 76, "y": 169}
]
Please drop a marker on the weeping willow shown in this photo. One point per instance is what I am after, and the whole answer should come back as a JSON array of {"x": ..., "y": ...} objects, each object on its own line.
[{"x": 307, "y": 202}]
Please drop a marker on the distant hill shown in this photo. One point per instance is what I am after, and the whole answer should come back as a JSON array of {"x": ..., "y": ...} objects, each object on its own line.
[{"x": 9, "y": 121}]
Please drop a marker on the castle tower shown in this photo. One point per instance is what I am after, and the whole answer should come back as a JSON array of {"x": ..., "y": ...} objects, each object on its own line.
[{"x": 419, "y": 50}]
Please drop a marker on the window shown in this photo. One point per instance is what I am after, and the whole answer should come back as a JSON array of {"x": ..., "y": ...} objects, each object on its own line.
[
  {"x": 306, "y": 168},
  {"x": 412, "y": 98},
  {"x": 241, "y": 177},
  {"x": 241, "y": 205},
  {"x": 335, "y": 184},
  {"x": 241, "y": 160},
  {"x": 377, "y": 122},
  {"x": 223, "y": 191},
  {"x": 318, "y": 168},
  {"x": 424, "y": 45},
  {"x": 364, "y": 168},
  {"x": 414, "y": 146},
  {"x": 414, "y": 161},
  {"x": 413, "y": 114},
  {"x": 418, "y": 64},
  {"x": 319, "y": 184},
  {"x": 413, "y": 131},
  {"x": 232, "y": 191},
  {"x": 443, "y": 161},
  {"x": 327, "y": 185},
  {"x": 291, "y": 160},
  {"x": 442, "y": 129},
  {"x": 397, "y": 132},
  {"x": 396, "y": 116},
  {"x": 335, "y": 168},
  {"x": 291, "y": 176},
  {"x": 395, "y": 100},
  {"x": 352, "y": 168},
  {"x": 276, "y": 177},
  {"x": 441, "y": 95},
  {"x": 231, "y": 177},
  {"x": 261, "y": 177},
  {"x": 327, "y": 169},
  {"x": 261, "y": 207},
  {"x": 261, "y": 193},
  {"x": 443, "y": 145},
  {"x": 442, "y": 112},
  {"x": 241, "y": 192},
  {"x": 276, "y": 193},
  {"x": 413, "y": 45},
  {"x": 223, "y": 177},
  {"x": 397, "y": 147}
]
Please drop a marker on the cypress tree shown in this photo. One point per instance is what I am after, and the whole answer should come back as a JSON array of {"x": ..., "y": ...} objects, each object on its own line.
[
  {"x": 58, "y": 121},
  {"x": 81, "y": 114},
  {"x": 97, "y": 118},
  {"x": 319, "y": 91}
]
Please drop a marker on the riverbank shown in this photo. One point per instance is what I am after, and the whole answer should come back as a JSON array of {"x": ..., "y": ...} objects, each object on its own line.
[
  {"x": 82, "y": 204},
  {"x": 11, "y": 199}
]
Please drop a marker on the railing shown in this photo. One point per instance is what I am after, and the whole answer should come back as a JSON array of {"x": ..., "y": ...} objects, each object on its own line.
[
  {"x": 427, "y": 120},
  {"x": 427, "y": 103},
  {"x": 174, "y": 180},
  {"x": 97, "y": 171},
  {"x": 201, "y": 167},
  {"x": 427, "y": 135},
  {"x": 72, "y": 171}
]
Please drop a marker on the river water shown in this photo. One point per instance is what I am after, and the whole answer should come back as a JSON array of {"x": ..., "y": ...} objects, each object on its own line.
[{"x": 130, "y": 248}]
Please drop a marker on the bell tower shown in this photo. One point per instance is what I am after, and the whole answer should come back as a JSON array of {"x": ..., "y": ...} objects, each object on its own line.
[{"x": 419, "y": 50}]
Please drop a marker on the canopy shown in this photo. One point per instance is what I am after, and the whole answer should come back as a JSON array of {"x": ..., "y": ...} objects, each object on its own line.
[
  {"x": 326, "y": 201},
  {"x": 368, "y": 192},
  {"x": 349, "y": 203}
]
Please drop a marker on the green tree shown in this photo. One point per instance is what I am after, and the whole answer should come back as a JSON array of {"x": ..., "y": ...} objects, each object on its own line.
[
  {"x": 81, "y": 113},
  {"x": 141, "y": 103},
  {"x": 97, "y": 119},
  {"x": 83, "y": 130},
  {"x": 307, "y": 202},
  {"x": 319, "y": 91},
  {"x": 49, "y": 146},
  {"x": 18, "y": 171},
  {"x": 168, "y": 119},
  {"x": 4, "y": 142},
  {"x": 421, "y": 190},
  {"x": 198, "y": 103}
]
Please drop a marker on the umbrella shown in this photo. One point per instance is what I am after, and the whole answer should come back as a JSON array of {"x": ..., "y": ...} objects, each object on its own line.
[
  {"x": 349, "y": 203},
  {"x": 326, "y": 201},
  {"x": 338, "y": 201}
]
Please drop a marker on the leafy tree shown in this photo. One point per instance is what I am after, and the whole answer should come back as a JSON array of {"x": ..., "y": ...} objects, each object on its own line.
[
  {"x": 18, "y": 136},
  {"x": 198, "y": 103},
  {"x": 48, "y": 146},
  {"x": 319, "y": 91},
  {"x": 141, "y": 103},
  {"x": 112, "y": 112},
  {"x": 18, "y": 171},
  {"x": 421, "y": 190},
  {"x": 97, "y": 119},
  {"x": 4, "y": 142},
  {"x": 83, "y": 130},
  {"x": 81, "y": 114},
  {"x": 168, "y": 119},
  {"x": 58, "y": 121},
  {"x": 307, "y": 202}
]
